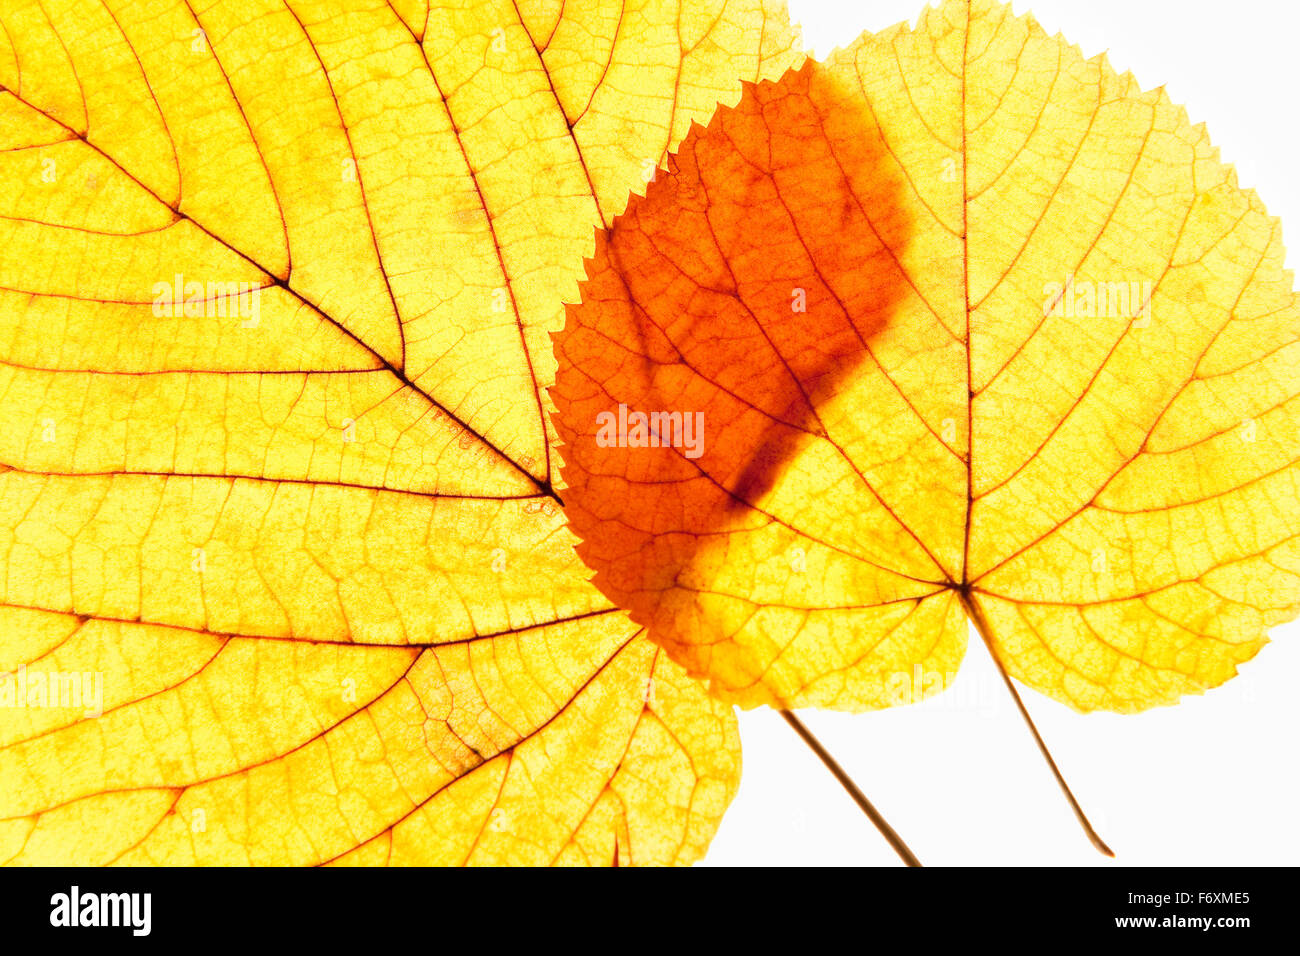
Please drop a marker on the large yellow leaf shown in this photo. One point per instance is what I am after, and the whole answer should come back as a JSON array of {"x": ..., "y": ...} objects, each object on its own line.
[
  {"x": 304, "y": 538},
  {"x": 973, "y": 327}
]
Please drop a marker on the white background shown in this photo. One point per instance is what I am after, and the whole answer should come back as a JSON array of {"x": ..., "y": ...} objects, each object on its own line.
[{"x": 1215, "y": 780}]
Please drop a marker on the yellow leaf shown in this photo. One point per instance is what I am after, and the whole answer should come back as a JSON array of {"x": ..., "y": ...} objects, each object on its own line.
[
  {"x": 972, "y": 327},
  {"x": 275, "y": 476}
]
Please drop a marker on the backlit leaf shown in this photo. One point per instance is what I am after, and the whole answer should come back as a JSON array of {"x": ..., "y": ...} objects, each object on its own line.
[
  {"x": 972, "y": 327},
  {"x": 276, "y": 288}
]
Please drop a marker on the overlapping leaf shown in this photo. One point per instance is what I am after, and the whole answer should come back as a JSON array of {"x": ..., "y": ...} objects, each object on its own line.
[{"x": 975, "y": 327}]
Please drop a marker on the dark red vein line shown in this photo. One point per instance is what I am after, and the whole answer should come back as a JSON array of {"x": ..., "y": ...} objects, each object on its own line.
[
  {"x": 544, "y": 487},
  {"x": 361, "y": 182}
]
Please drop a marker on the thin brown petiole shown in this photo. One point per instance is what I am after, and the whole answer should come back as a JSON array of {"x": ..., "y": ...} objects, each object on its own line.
[
  {"x": 982, "y": 629},
  {"x": 860, "y": 798}
]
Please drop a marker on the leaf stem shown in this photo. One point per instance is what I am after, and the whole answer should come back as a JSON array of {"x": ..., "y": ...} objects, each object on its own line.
[
  {"x": 981, "y": 627},
  {"x": 860, "y": 798}
]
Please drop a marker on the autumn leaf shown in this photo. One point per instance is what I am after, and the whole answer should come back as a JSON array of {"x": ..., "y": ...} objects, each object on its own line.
[
  {"x": 275, "y": 471},
  {"x": 956, "y": 325}
]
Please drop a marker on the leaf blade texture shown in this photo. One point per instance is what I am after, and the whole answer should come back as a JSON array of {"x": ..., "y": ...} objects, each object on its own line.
[
  {"x": 885, "y": 307},
  {"x": 304, "y": 531}
]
